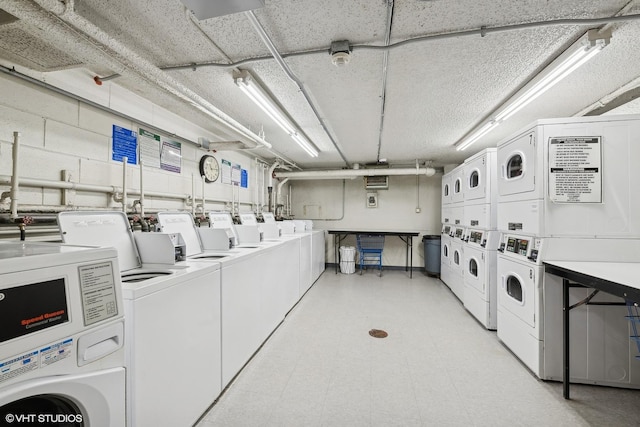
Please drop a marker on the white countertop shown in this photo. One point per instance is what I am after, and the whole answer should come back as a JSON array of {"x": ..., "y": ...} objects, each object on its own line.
[{"x": 623, "y": 273}]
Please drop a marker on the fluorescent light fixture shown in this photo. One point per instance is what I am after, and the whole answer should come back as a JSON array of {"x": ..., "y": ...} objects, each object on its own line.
[
  {"x": 580, "y": 52},
  {"x": 482, "y": 131},
  {"x": 257, "y": 94},
  {"x": 305, "y": 144}
]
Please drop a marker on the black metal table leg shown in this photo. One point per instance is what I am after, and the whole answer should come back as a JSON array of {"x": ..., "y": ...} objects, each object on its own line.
[{"x": 565, "y": 334}]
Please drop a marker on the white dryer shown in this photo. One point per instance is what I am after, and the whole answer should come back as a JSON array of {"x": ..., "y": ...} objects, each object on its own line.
[
  {"x": 445, "y": 254},
  {"x": 520, "y": 305},
  {"x": 530, "y": 311},
  {"x": 61, "y": 336},
  {"x": 456, "y": 282},
  {"x": 571, "y": 177},
  {"x": 446, "y": 199},
  {"x": 162, "y": 301},
  {"x": 480, "y": 190},
  {"x": 457, "y": 196},
  {"x": 480, "y": 280}
]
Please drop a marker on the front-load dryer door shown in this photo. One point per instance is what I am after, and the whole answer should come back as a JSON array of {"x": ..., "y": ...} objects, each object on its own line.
[
  {"x": 475, "y": 179},
  {"x": 475, "y": 270},
  {"x": 516, "y": 160},
  {"x": 517, "y": 289}
]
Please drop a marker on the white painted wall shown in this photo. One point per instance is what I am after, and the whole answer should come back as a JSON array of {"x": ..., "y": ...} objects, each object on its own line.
[
  {"x": 59, "y": 133},
  {"x": 325, "y": 203}
]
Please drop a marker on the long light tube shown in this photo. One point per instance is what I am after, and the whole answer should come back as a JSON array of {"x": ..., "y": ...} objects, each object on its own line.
[
  {"x": 580, "y": 52},
  {"x": 476, "y": 135},
  {"x": 254, "y": 92},
  {"x": 304, "y": 143}
]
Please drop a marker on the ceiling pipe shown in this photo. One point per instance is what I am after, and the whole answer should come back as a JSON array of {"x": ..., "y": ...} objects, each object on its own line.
[
  {"x": 352, "y": 173},
  {"x": 276, "y": 55},
  {"x": 482, "y": 31}
]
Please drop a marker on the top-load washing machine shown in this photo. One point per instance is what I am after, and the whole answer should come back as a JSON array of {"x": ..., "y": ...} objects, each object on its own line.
[
  {"x": 480, "y": 190},
  {"x": 571, "y": 177},
  {"x": 223, "y": 221},
  {"x": 173, "y": 315},
  {"x": 61, "y": 336}
]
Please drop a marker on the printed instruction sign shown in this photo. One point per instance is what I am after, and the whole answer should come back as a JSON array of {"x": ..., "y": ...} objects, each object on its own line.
[
  {"x": 225, "y": 171},
  {"x": 149, "y": 148},
  {"x": 171, "y": 156},
  {"x": 98, "y": 292},
  {"x": 124, "y": 144},
  {"x": 575, "y": 169}
]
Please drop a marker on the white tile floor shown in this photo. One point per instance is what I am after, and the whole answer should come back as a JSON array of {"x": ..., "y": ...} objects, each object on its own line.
[{"x": 437, "y": 367}]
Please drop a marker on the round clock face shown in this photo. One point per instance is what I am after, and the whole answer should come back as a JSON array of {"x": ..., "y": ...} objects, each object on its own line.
[{"x": 209, "y": 168}]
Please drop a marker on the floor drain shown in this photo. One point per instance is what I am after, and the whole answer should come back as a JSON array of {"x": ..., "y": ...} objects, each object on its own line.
[{"x": 378, "y": 333}]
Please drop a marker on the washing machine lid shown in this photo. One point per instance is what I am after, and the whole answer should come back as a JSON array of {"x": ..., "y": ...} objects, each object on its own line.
[
  {"x": 10, "y": 250},
  {"x": 109, "y": 229},
  {"x": 182, "y": 222}
]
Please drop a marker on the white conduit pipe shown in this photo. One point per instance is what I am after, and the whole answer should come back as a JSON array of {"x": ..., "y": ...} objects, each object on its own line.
[
  {"x": 279, "y": 192},
  {"x": 15, "y": 180},
  {"x": 193, "y": 194},
  {"x": 203, "y": 183},
  {"x": 124, "y": 184},
  {"x": 352, "y": 173},
  {"x": 141, "y": 193}
]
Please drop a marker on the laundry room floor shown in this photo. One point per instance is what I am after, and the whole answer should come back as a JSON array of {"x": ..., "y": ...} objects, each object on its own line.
[{"x": 436, "y": 367}]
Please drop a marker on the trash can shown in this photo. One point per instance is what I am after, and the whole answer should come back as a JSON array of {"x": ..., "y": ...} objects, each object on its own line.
[
  {"x": 347, "y": 259},
  {"x": 431, "y": 254}
]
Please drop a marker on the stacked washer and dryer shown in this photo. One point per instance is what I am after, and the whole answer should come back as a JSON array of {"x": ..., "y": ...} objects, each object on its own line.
[
  {"x": 566, "y": 192},
  {"x": 481, "y": 238},
  {"x": 453, "y": 232}
]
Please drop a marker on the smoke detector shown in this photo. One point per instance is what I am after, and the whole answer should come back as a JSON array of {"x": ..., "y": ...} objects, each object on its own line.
[{"x": 340, "y": 53}]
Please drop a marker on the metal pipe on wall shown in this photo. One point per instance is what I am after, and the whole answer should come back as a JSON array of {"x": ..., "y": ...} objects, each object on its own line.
[
  {"x": 125, "y": 159},
  {"x": 141, "y": 192},
  {"x": 15, "y": 180},
  {"x": 352, "y": 173}
]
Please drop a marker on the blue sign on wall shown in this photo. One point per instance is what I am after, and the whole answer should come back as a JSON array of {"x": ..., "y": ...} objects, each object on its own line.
[
  {"x": 125, "y": 143},
  {"x": 244, "y": 178}
]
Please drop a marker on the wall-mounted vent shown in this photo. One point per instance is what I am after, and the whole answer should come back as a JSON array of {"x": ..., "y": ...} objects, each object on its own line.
[{"x": 376, "y": 182}]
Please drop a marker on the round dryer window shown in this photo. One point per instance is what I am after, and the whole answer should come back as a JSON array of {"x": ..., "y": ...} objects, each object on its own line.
[
  {"x": 445, "y": 251},
  {"x": 515, "y": 166},
  {"x": 457, "y": 186},
  {"x": 446, "y": 190},
  {"x": 473, "y": 267},
  {"x": 456, "y": 257},
  {"x": 514, "y": 288},
  {"x": 474, "y": 179}
]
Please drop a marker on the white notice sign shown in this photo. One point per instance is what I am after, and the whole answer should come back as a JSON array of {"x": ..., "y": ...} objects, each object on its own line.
[{"x": 575, "y": 169}]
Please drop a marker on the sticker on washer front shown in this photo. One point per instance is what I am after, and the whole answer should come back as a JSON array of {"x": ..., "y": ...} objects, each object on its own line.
[
  {"x": 56, "y": 352},
  {"x": 35, "y": 359},
  {"x": 18, "y": 365},
  {"x": 98, "y": 287}
]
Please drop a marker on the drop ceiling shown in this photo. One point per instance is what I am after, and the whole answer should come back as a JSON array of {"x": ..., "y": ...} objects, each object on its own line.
[{"x": 404, "y": 103}]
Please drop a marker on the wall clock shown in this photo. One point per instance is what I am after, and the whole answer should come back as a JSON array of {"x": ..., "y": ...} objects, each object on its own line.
[{"x": 209, "y": 168}]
